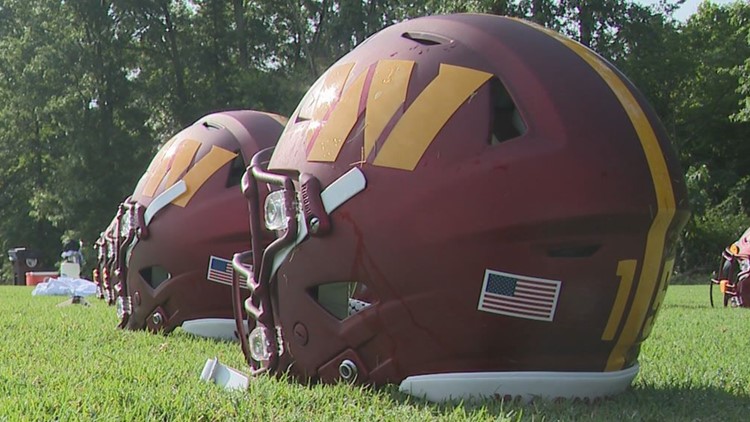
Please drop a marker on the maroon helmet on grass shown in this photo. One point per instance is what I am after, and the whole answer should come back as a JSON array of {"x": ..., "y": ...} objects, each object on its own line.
[
  {"x": 104, "y": 268},
  {"x": 96, "y": 272},
  {"x": 467, "y": 206},
  {"x": 185, "y": 219}
]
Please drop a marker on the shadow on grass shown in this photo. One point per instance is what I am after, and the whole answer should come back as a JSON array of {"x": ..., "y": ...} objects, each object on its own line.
[{"x": 641, "y": 404}]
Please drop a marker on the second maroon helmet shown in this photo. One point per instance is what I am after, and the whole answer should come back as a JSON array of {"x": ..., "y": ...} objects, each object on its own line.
[{"x": 185, "y": 219}]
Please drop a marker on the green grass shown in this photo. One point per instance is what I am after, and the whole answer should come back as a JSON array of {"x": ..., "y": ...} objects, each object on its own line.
[{"x": 70, "y": 363}]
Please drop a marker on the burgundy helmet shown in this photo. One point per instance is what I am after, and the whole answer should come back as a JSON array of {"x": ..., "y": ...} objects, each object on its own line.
[
  {"x": 467, "y": 206},
  {"x": 733, "y": 276},
  {"x": 97, "y": 270},
  {"x": 104, "y": 247},
  {"x": 185, "y": 219}
]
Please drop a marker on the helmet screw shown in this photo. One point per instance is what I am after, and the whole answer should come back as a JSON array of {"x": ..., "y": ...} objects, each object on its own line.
[
  {"x": 348, "y": 370},
  {"x": 314, "y": 225},
  {"x": 157, "y": 319}
]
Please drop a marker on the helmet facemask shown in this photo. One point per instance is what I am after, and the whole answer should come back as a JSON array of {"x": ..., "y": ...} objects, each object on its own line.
[{"x": 295, "y": 207}]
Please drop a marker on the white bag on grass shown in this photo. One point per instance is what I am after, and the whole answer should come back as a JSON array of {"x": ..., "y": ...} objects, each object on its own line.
[{"x": 65, "y": 286}]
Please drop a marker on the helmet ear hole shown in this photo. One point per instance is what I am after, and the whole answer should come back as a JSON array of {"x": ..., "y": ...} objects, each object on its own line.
[
  {"x": 155, "y": 276},
  {"x": 341, "y": 299}
]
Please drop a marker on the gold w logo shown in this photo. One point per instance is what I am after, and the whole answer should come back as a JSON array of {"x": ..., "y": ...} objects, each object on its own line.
[
  {"x": 173, "y": 161},
  {"x": 381, "y": 91}
]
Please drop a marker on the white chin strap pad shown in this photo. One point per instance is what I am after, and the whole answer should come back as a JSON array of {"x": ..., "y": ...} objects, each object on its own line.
[
  {"x": 526, "y": 385},
  {"x": 216, "y": 328}
]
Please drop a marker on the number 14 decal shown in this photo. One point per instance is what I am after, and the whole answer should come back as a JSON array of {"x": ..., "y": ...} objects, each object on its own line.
[{"x": 640, "y": 318}]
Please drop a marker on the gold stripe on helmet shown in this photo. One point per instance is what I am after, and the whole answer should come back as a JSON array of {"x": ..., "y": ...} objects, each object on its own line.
[
  {"x": 387, "y": 93},
  {"x": 182, "y": 159},
  {"x": 324, "y": 93},
  {"x": 340, "y": 122},
  {"x": 158, "y": 167},
  {"x": 429, "y": 112},
  {"x": 626, "y": 271},
  {"x": 653, "y": 258},
  {"x": 201, "y": 171}
]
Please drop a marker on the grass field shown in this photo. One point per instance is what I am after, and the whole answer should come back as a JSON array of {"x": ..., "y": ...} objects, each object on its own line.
[{"x": 70, "y": 363}]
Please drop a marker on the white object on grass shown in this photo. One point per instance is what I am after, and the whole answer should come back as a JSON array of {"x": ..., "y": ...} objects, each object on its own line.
[
  {"x": 65, "y": 286},
  {"x": 216, "y": 328},
  {"x": 223, "y": 376}
]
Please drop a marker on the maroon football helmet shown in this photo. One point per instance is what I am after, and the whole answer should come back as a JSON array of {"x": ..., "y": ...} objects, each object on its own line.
[
  {"x": 733, "y": 273},
  {"x": 185, "y": 219},
  {"x": 468, "y": 206},
  {"x": 104, "y": 247}
]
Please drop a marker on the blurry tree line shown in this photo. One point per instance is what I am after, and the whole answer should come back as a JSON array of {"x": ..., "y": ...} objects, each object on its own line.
[{"x": 89, "y": 89}]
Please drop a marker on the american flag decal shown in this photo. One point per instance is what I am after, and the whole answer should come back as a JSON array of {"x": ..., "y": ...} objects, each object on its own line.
[
  {"x": 519, "y": 296},
  {"x": 220, "y": 270}
]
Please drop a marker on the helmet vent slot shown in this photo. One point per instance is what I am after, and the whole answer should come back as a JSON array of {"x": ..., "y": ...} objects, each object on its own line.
[
  {"x": 155, "y": 276},
  {"x": 506, "y": 120},
  {"x": 341, "y": 299},
  {"x": 211, "y": 125},
  {"x": 425, "y": 38},
  {"x": 572, "y": 251}
]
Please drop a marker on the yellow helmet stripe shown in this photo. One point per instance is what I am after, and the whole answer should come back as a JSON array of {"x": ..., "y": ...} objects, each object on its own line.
[
  {"x": 158, "y": 167},
  {"x": 654, "y": 251},
  {"x": 201, "y": 171},
  {"x": 429, "y": 112},
  {"x": 325, "y": 92},
  {"x": 387, "y": 93},
  {"x": 182, "y": 159},
  {"x": 660, "y": 292},
  {"x": 626, "y": 271},
  {"x": 332, "y": 135}
]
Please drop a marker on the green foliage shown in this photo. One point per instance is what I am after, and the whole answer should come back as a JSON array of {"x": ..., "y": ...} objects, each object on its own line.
[
  {"x": 71, "y": 363},
  {"x": 742, "y": 72},
  {"x": 716, "y": 41},
  {"x": 713, "y": 226},
  {"x": 712, "y": 144}
]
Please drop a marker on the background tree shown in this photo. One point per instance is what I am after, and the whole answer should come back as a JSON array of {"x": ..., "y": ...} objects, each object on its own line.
[
  {"x": 713, "y": 145},
  {"x": 89, "y": 89}
]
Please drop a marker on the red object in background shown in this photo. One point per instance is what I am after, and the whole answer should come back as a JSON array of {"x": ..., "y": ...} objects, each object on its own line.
[{"x": 35, "y": 277}]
